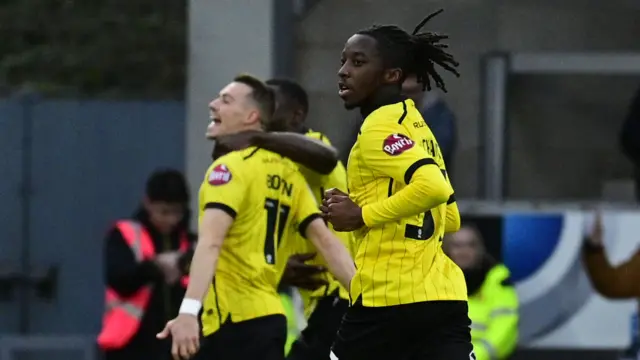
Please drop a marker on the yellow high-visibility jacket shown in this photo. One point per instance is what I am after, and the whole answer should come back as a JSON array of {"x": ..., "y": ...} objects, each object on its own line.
[
  {"x": 493, "y": 310},
  {"x": 292, "y": 323}
]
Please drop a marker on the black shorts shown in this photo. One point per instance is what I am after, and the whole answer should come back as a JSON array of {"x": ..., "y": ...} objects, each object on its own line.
[
  {"x": 262, "y": 338},
  {"x": 433, "y": 330},
  {"x": 316, "y": 339}
]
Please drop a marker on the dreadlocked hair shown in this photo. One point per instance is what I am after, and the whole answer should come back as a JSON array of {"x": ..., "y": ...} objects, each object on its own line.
[{"x": 416, "y": 53}]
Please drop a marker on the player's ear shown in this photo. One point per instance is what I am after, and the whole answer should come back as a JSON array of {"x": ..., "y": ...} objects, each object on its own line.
[
  {"x": 253, "y": 117},
  {"x": 392, "y": 76},
  {"x": 298, "y": 118}
]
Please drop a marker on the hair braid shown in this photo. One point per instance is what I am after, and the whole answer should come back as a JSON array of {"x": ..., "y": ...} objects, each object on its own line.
[{"x": 416, "y": 53}]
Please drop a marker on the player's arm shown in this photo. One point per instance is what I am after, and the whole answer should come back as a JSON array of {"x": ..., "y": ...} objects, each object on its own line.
[
  {"x": 312, "y": 227},
  {"x": 336, "y": 255},
  {"x": 390, "y": 153},
  {"x": 213, "y": 228},
  {"x": 222, "y": 194},
  {"x": 309, "y": 152},
  {"x": 614, "y": 282}
]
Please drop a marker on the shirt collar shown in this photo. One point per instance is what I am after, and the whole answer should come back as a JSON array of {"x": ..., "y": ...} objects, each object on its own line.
[{"x": 380, "y": 102}]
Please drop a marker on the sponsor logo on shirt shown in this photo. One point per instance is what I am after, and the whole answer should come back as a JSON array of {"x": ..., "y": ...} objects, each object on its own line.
[
  {"x": 220, "y": 175},
  {"x": 396, "y": 144}
]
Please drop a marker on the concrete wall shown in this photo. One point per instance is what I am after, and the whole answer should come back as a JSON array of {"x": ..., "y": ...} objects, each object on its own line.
[
  {"x": 226, "y": 37},
  {"x": 563, "y": 128}
]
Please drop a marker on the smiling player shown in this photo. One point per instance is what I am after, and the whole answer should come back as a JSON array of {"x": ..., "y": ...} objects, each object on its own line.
[
  {"x": 250, "y": 200},
  {"x": 409, "y": 297}
]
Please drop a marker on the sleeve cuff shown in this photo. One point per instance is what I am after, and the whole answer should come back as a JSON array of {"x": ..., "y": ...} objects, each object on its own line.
[
  {"x": 302, "y": 228},
  {"x": 220, "y": 206}
]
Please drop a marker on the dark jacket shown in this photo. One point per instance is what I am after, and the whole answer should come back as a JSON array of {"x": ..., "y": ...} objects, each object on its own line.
[
  {"x": 442, "y": 122},
  {"x": 630, "y": 138},
  {"x": 126, "y": 276},
  {"x": 630, "y": 134}
]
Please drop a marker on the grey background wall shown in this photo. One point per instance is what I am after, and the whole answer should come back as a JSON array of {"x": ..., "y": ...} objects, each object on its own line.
[
  {"x": 225, "y": 37},
  {"x": 69, "y": 169},
  {"x": 563, "y": 128}
]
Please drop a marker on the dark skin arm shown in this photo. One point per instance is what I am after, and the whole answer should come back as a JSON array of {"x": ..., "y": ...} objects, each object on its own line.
[
  {"x": 619, "y": 282},
  {"x": 311, "y": 153},
  {"x": 302, "y": 275}
]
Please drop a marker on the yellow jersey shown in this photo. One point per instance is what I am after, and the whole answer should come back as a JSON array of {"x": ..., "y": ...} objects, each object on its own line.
[
  {"x": 399, "y": 262},
  {"x": 318, "y": 184},
  {"x": 269, "y": 200}
]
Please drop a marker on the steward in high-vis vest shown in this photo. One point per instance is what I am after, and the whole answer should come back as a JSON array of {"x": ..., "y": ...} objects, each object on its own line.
[
  {"x": 146, "y": 259},
  {"x": 286, "y": 296},
  {"x": 493, "y": 302}
]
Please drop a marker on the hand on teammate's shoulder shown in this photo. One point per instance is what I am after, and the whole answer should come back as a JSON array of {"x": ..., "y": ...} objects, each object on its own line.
[
  {"x": 302, "y": 149},
  {"x": 225, "y": 144}
]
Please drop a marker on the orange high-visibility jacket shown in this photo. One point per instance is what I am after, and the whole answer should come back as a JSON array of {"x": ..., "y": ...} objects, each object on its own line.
[{"x": 122, "y": 316}]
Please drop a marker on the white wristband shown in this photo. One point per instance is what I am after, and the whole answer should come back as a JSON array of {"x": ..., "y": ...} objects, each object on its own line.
[{"x": 190, "y": 306}]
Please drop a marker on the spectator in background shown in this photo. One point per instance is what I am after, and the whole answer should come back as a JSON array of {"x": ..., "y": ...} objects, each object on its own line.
[
  {"x": 630, "y": 139},
  {"x": 146, "y": 258},
  {"x": 493, "y": 302},
  {"x": 436, "y": 114},
  {"x": 620, "y": 282}
]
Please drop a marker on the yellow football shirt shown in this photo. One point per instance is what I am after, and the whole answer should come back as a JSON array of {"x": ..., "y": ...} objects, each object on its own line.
[
  {"x": 318, "y": 184},
  {"x": 399, "y": 262},
  {"x": 269, "y": 200}
]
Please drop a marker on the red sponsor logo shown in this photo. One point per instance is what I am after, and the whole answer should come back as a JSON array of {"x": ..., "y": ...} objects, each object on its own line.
[
  {"x": 396, "y": 144},
  {"x": 220, "y": 175}
]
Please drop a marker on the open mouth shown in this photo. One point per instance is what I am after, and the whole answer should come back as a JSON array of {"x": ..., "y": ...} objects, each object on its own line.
[
  {"x": 210, "y": 128},
  {"x": 343, "y": 89},
  {"x": 215, "y": 121}
]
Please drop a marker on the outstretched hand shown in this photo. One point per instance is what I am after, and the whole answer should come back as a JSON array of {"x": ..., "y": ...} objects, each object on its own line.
[
  {"x": 341, "y": 211},
  {"x": 185, "y": 336}
]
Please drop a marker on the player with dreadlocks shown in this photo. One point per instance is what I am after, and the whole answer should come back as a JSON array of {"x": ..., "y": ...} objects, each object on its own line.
[{"x": 409, "y": 300}]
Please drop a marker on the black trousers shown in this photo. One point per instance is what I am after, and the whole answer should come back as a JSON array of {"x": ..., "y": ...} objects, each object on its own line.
[
  {"x": 262, "y": 338},
  {"x": 433, "y": 330},
  {"x": 316, "y": 339}
]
